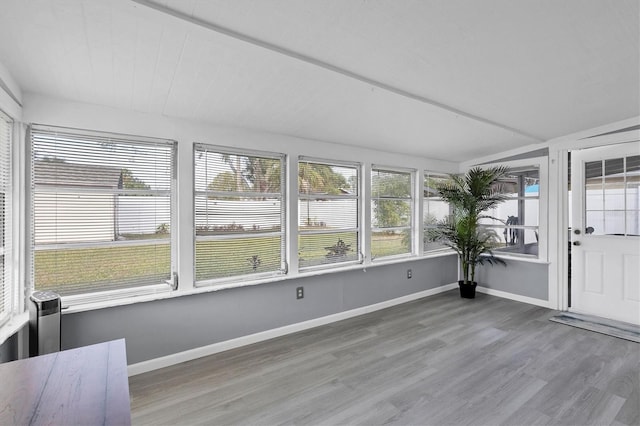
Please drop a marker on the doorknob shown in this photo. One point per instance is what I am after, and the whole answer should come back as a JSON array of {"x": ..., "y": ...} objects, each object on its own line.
[
  {"x": 576, "y": 231},
  {"x": 576, "y": 243}
]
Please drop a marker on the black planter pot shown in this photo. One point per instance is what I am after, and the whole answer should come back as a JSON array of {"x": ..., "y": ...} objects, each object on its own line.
[{"x": 467, "y": 291}]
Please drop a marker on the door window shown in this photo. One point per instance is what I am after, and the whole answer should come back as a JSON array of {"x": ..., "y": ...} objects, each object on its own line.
[{"x": 612, "y": 196}]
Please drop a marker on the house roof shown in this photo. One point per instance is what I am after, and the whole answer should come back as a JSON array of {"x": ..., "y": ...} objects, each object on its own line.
[{"x": 59, "y": 173}]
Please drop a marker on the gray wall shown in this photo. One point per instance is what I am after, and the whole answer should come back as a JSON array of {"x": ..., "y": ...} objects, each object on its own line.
[
  {"x": 163, "y": 327},
  {"x": 521, "y": 278}
]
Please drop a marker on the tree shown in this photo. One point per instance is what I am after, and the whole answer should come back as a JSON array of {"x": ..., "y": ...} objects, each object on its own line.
[
  {"x": 225, "y": 181},
  {"x": 320, "y": 178},
  {"x": 263, "y": 174},
  {"x": 128, "y": 181},
  {"x": 316, "y": 179},
  {"x": 391, "y": 212},
  {"x": 235, "y": 165},
  {"x": 258, "y": 174},
  {"x": 252, "y": 173}
]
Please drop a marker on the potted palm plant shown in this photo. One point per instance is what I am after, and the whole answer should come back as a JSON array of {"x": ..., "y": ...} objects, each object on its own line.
[{"x": 470, "y": 197}]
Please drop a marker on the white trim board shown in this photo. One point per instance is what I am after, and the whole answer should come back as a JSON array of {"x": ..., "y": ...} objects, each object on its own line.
[
  {"x": 13, "y": 326},
  {"x": 516, "y": 297},
  {"x": 191, "y": 354}
]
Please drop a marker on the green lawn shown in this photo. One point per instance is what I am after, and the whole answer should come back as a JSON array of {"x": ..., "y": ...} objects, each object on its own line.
[
  {"x": 383, "y": 244},
  {"x": 219, "y": 259},
  {"x": 72, "y": 271},
  {"x": 313, "y": 251}
]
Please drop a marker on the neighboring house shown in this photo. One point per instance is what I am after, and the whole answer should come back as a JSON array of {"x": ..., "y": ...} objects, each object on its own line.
[{"x": 74, "y": 202}]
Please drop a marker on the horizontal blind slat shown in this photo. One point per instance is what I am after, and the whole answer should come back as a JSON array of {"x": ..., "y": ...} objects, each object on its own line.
[
  {"x": 391, "y": 212},
  {"x": 6, "y": 129},
  {"x": 239, "y": 213},
  {"x": 92, "y": 194},
  {"x": 328, "y": 213}
]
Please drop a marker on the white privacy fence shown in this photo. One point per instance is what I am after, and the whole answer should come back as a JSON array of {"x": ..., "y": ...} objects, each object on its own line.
[
  {"x": 248, "y": 214},
  {"x": 265, "y": 214},
  {"x": 96, "y": 217},
  {"x": 102, "y": 217},
  {"x": 141, "y": 215}
]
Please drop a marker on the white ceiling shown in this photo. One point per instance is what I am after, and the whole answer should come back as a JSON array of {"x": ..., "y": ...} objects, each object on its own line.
[{"x": 446, "y": 79}]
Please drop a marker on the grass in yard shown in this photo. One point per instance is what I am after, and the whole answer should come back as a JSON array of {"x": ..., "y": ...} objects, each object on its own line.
[
  {"x": 313, "y": 248},
  {"x": 73, "y": 271},
  {"x": 220, "y": 259},
  {"x": 383, "y": 244}
]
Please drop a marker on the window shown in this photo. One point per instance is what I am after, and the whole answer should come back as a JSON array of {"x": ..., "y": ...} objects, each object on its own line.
[
  {"x": 102, "y": 210},
  {"x": 6, "y": 128},
  {"x": 516, "y": 221},
  {"x": 435, "y": 210},
  {"x": 612, "y": 196},
  {"x": 239, "y": 213},
  {"x": 391, "y": 217},
  {"x": 328, "y": 223}
]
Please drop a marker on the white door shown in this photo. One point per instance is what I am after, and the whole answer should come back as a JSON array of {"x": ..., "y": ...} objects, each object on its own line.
[{"x": 605, "y": 251}]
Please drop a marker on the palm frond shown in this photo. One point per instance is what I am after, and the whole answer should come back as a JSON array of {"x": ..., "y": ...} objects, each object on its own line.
[{"x": 478, "y": 191}]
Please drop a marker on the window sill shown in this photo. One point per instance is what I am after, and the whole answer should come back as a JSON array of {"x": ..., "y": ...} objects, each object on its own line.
[
  {"x": 81, "y": 303},
  {"x": 169, "y": 294},
  {"x": 12, "y": 326},
  {"x": 523, "y": 258}
]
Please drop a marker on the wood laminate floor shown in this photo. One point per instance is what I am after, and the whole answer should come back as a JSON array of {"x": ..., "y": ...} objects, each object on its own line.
[{"x": 438, "y": 360}]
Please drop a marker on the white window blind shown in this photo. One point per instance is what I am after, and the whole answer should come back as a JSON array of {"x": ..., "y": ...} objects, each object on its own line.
[
  {"x": 391, "y": 213},
  {"x": 102, "y": 210},
  {"x": 6, "y": 128},
  {"x": 239, "y": 213},
  {"x": 435, "y": 210},
  {"x": 328, "y": 212}
]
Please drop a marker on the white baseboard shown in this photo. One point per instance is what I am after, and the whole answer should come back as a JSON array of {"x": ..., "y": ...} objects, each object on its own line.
[
  {"x": 169, "y": 360},
  {"x": 516, "y": 297}
]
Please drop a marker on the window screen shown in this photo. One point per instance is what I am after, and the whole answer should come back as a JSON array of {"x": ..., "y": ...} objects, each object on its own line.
[
  {"x": 6, "y": 127},
  {"x": 328, "y": 222},
  {"x": 102, "y": 210},
  {"x": 391, "y": 213},
  {"x": 239, "y": 213}
]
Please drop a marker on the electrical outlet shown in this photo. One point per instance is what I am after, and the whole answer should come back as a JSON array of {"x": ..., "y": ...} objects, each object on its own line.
[
  {"x": 299, "y": 292},
  {"x": 409, "y": 274}
]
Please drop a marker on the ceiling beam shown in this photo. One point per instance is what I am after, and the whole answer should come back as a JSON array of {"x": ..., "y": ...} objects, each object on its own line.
[{"x": 327, "y": 66}]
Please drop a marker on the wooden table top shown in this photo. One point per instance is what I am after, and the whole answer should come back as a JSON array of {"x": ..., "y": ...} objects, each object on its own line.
[{"x": 83, "y": 386}]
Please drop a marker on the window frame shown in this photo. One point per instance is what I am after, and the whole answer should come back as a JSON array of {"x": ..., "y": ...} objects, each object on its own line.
[
  {"x": 443, "y": 248},
  {"x": 411, "y": 228},
  {"x": 6, "y": 232},
  {"x": 100, "y": 296},
  {"x": 358, "y": 216},
  {"x": 605, "y": 182},
  {"x": 541, "y": 165},
  {"x": 251, "y": 277}
]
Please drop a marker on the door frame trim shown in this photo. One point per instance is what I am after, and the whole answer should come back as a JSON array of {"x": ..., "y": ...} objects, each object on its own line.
[{"x": 558, "y": 153}]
